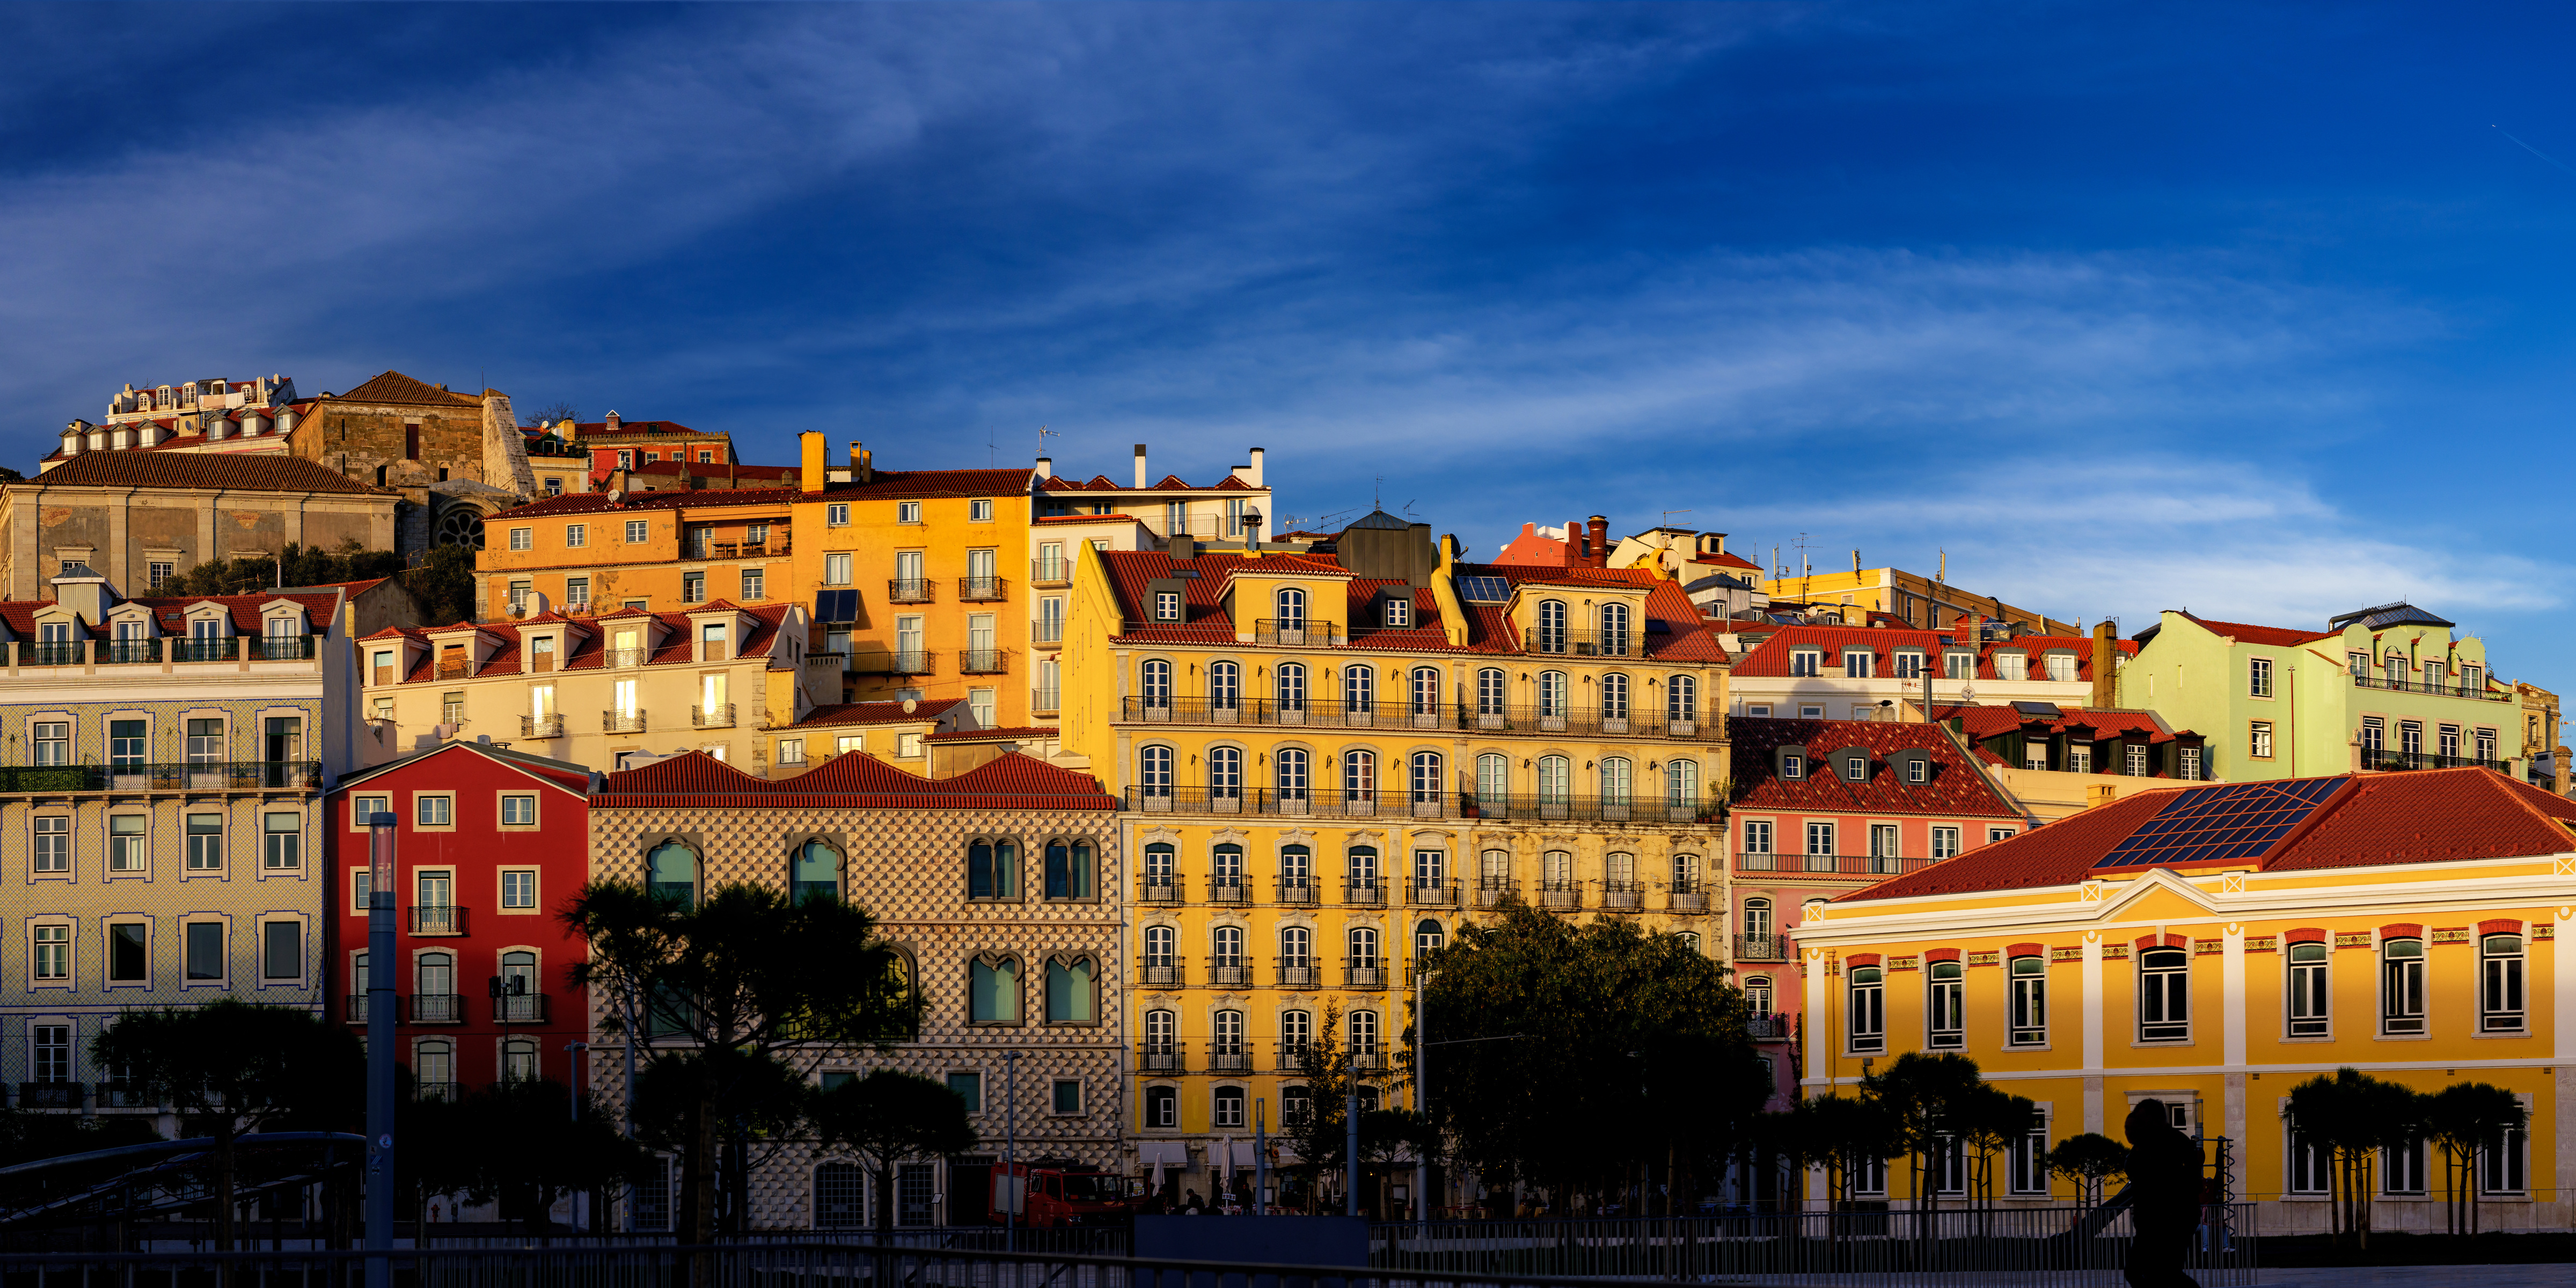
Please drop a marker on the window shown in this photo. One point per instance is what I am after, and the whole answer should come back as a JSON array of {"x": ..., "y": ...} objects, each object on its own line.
[
  {"x": 1958, "y": 666},
  {"x": 53, "y": 741},
  {"x": 1399, "y": 611},
  {"x": 1067, "y": 1096},
  {"x": 205, "y": 843},
  {"x": 1359, "y": 689},
  {"x": 1858, "y": 662},
  {"x": 1820, "y": 840},
  {"x": 161, "y": 573},
  {"x": 1154, "y": 771},
  {"x": 1793, "y": 767},
  {"x": 2310, "y": 1015},
  {"x": 2060, "y": 666},
  {"x": 2486, "y": 744},
  {"x": 638, "y": 531},
  {"x": 1945, "y": 841},
  {"x": 2500, "y": 984},
  {"x": 836, "y": 570},
  {"x": 53, "y": 953},
  {"x": 53, "y": 1052},
  {"x": 979, "y": 512},
  {"x": 904, "y": 512},
  {"x": 519, "y": 888},
  {"x": 1162, "y": 1105},
  {"x": 128, "y": 850},
  {"x": 523, "y": 538},
  {"x": 1290, "y": 607},
  {"x": 1068, "y": 870},
  {"x": 1757, "y": 837},
  {"x": 993, "y": 870},
  {"x": 1681, "y": 784},
  {"x": 435, "y": 811},
  {"x": 1226, "y": 1108},
  {"x": 2012, "y": 666},
  {"x": 1167, "y": 605},
  {"x": 1296, "y": 1106},
  {"x": 2029, "y": 1002},
  {"x": 968, "y": 1087},
  {"x": 907, "y": 746},
  {"x": 2403, "y": 1168},
  {"x": 576, "y": 535},
  {"x": 993, "y": 991},
  {"x": 128, "y": 961},
  {"x": 1359, "y": 777},
  {"x": 2410, "y": 737},
  {"x": 2164, "y": 995},
  {"x": 2449, "y": 741},
  {"x": 836, "y": 515},
  {"x": 2401, "y": 986},
  {"x": 693, "y": 587},
  {"x": 125, "y": 739},
  {"x": 2026, "y": 1169},
  {"x": 2310, "y": 1163},
  {"x": 671, "y": 872},
  {"x": 1072, "y": 993},
  {"x": 281, "y": 950},
  {"x": 1614, "y": 699},
  {"x": 282, "y": 841},
  {"x": 2258, "y": 740},
  {"x": 1868, "y": 1017},
  {"x": 1806, "y": 662},
  {"x": 1946, "y": 1006},
  {"x": 2503, "y": 1162},
  {"x": 204, "y": 945}
]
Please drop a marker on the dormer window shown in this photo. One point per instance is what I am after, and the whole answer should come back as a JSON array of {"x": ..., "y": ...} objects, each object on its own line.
[
  {"x": 1855, "y": 766},
  {"x": 1909, "y": 664},
  {"x": 1399, "y": 612},
  {"x": 1918, "y": 771},
  {"x": 1167, "y": 605},
  {"x": 1858, "y": 663},
  {"x": 1791, "y": 762},
  {"x": 2061, "y": 666},
  {"x": 1807, "y": 662},
  {"x": 1959, "y": 666},
  {"x": 2012, "y": 666}
]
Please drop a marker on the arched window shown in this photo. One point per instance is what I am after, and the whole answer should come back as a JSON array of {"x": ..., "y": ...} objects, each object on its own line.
[
  {"x": 521, "y": 1001},
  {"x": 840, "y": 1197},
  {"x": 1428, "y": 779},
  {"x": 1614, "y": 698},
  {"x": 1757, "y": 994},
  {"x": 1225, "y": 1038},
  {"x": 1491, "y": 692},
  {"x": 1296, "y": 948},
  {"x": 1557, "y": 869},
  {"x": 1689, "y": 938},
  {"x": 815, "y": 874},
  {"x": 1619, "y": 871},
  {"x": 1552, "y": 697},
  {"x": 1073, "y": 991},
  {"x": 1685, "y": 874},
  {"x": 1757, "y": 919},
  {"x": 1359, "y": 779},
  {"x": 1363, "y": 948},
  {"x": 1296, "y": 1105},
  {"x": 1362, "y": 860},
  {"x": 1225, "y": 1109},
  {"x": 1426, "y": 691},
  {"x": 1225, "y": 777},
  {"x": 993, "y": 990},
  {"x": 1154, "y": 772},
  {"x": 673, "y": 872},
  {"x": 518, "y": 1060},
  {"x": 1068, "y": 870},
  {"x": 1161, "y": 1054},
  {"x": 1616, "y": 780},
  {"x": 1428, "y": 936},
  {"x": 1430, "y": 875},
  {"x": 1363, "y": 1044},
  {"x": 1681, "y": 783},
  {"x": 1493, "y": 777},
  {"x": 435, "y": 978},
  {"x": 1291, "y": 696},
  {"x": 1555, "y": 780},
  {"x": 1226, "y": 945},
  {"x": 1225, "y": 874},
  {"x": 993, "y": 869},
  {"x": 1495, "y": 873},
  {"x": 1225, "y": 686},
  {"x": 1359, "y": 689},
  {"x": 1161, "y": 964},
  {"x": 1154, "y": 685},
  {"x": 433, "y": 1067},
  {"x": 1681, "y": 699},
  {"x": 1289, "y": 606},
  {"x": 1614, "y": 630},
  {"x": 1551, "y": 626},
  {"x": 1162, "y": 871},
  {"x": 1296, "y": 874},
  {"x": 1296, "y": 1033},
  {"x": 1290, "y": 774}
]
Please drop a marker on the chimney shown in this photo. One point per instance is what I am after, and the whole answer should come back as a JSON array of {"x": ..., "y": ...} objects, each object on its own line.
[
  {"x": 1255, "y": 480},
  {"x": 2106, "y": 664},
  {"x": 1046, "y": 468},
  {"x": 1141, "y": 480},
  {"x": 861, "y": 468},
  {"x": 1183, "y": 548},
  {"x": 1972, "y": 629},
  {"x": 810, "y": 447},
  {"x": 1599, "y": 527},
  {"x": 612, "y": 422}
]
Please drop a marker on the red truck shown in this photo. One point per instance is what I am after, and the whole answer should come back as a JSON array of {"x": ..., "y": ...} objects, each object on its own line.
[{"x": 1059, "y": 1191}]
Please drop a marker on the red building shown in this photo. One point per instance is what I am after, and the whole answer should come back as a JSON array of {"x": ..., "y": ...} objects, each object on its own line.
[
  {"x": 489, "y": 844},
  {"x": 1826, "y": 807}
]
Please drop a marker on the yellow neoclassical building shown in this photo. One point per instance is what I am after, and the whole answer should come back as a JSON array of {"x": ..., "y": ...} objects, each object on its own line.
[
  {"x": 2212, "y": 947},
  {"x": 1327, "y": 759}
]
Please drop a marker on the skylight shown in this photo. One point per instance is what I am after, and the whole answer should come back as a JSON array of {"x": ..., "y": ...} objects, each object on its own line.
[{"x": 1484, "y": 590}]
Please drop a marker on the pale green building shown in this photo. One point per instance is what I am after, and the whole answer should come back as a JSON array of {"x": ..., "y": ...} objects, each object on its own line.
[{"x": 2384, "y": 688}]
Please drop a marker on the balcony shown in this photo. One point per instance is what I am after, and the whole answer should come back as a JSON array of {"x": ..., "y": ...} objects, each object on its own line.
[
  {"x": 1363, "y": 892},
  {"x": 1559, "y": 897},
  {"x": 618, "y": 657},
  {"x": 1768, "y": 1028},
  {"x": 1155, "y": 974},
  {"x": 1622, "y": 896},
  {"x": 1761, "y": 948},
  {"x": 1229, "y": 1057},
  {"x": 1158, "y": 888},
  {"x": 715, "y": 717},
  {"x": 354, "y": 1008},
  {"x": 116, "y": 652},
  {"x": 541, "y": 726},
  {"x": 281, "y": 648},
  {"x": 437, "y": 1008},
  {"x": 1368, "y": 1060},
  {"x": 912, "y": 590},
  {"x": 1490, "y": 892},
  {"x": 1295, "y": 1057},
  {"x": 2368, "y": 681},
  {"x": 621, "y": 721},
  {"x": 1364, "y": 974},
  {"x": 434, "y": 919},
  {"x": 50, "y": 1095},
  {"x": 206, "y": 648},
  {"x": 2391, "y": 761},
  {"x": 1229, "y": 972},
  {"x": 1565, "y": 643},
  {"x": 53, "y": 653},
  {"x": 1843, "y": 865},
  {"x": 1042, "y": 702},
  {"x": 1431, "y": 892},
  {"x": 1160, "y": 1057},
  {"x": 1297, "y": 632},
  {"x": 983, "y": 661},
  {"x": 122, "y": 1095},
  {"x": 164, "y": 776},
  {"x": 892, "y": 662},
  {"x": 1297, "y": 892},
  {"x": 436, "y": 1090},
  {"x": 1687, "y": 900},
  {"x": 1298, "y": 972},
  {"x": 1506, "y": 720},
  {"x": 982, "y": 590},
  {"x": 1400, "y": 803},
  {"x": 1051, "y": 572},
  {"x": 519, "y": 1008},
  {"x": 1047, "y": 630}
]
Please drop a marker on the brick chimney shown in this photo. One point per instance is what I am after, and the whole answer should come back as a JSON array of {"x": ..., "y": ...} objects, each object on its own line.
[
  {"x": 1599, "y": 529},
  {"x": 2106, "y": 664},
  {"x": 1971, "y": 629}
]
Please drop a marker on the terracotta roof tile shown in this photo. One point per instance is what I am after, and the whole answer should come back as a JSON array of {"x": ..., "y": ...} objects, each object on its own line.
[
  {"x": 853, "y": 781},
  {"x": 599, "y": 502},
  {"x": 893, "y": 484},
  {"x": 2274, "y": 635},
  {"x": 587, "y": 645},
  {"x": 865, "y": 713},
  {"x": 231, "y": 471},
  {"x": 395, "y": 387},
  {"x": 1956, "y": 789}
]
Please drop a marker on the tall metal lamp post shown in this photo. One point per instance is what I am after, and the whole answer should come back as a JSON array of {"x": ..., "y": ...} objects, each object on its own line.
[{"x": 380, "y": 1050}]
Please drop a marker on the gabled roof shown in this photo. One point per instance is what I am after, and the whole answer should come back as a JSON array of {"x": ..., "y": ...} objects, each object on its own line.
[
  {"x": 2350, "y": 821},
  {"x": 600, "y": 503},
  {"x": 1770, "y": 658},
  {"x": 866, "y": 713},
  {"x": 891, "y": 485},
  {"x": 1993, "y": 720},
  {"x": 395, "y": 387},
  {"x": 1956, "y": 789},
  {"x": 229, "y": 471},
  {"x": 588, "y": 649},
  {"x": 171, "y": 612},
  {"x": 853, "y": 781},
  {"x": 2278, "y": 636},
  {"x": 556, "y": 773}
]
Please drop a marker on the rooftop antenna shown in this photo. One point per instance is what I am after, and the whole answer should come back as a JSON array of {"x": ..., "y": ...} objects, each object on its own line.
[
  {"x": 992, "y": 454},
  {"x": 1668, "y": 517},
  {"x": 1044, "y": 434},
  {"x": 1377, "y": 494}
]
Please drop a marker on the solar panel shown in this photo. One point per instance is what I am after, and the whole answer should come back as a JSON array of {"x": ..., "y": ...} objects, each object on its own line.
[
  {"x": 1484, "y": 590},
  {"x": 2038, "y": 710},
  {"x": 2227, "y": 821},
  {"x": 836, "y": 606}
]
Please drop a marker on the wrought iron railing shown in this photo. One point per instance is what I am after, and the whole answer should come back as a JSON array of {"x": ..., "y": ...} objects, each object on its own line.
[
  {"x": 1761, "y": 948},
  {"x": 982, "y": 590},
  {"x": 2384, "y": 759},
  {"x": 1847, "y": 865},
  {"x": 1050, "y": 572},
  {"x": 541, "y": 726},
  {"x": 1297, "y": 632},
  {"x": 621, "y": 721},
  {"x": 519, "y": 1008},
  {"x": 438, "y": 919},
  {"x": 437, "y": 1008},
  {"x": 715, "y": 717},
  {"x": 2479, "y": 693},
  {"x": 165, "y": 776},
  {"x": 909, "y": 590},
  {"x": 983, "y": 661}
]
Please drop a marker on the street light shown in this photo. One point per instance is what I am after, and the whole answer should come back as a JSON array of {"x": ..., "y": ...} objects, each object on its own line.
[{"x": 380, "y": 1050}]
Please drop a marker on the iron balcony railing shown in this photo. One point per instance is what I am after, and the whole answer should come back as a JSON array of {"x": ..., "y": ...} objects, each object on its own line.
[
  {"x": 625, "y": 657},
  {"x": 1299, "y": 972},
  {"x": 1297, "y": 632},
  {"x": 1571, "y": 643},
  {"x": 281, "y": 648},
  {"x": 119, "y": 651},
  {"x": 909, "y": 590},
  {"x": 1761, "y": 948},
  {"x": 519, "y": 1008},
  {"x": 1366, "y": 1059},
  {"x": 894, "y": 662},
  {"x": 1294, "y": 1057},
  {"x": 1229, "y": 972},
  {"x": 1159, "y": 888},
  {"x": 541, "y": 726},
  {"x": 1399, "y": 714},
  {"x": 715, "y": 717},
  {"x": 1160, "y": 1057},
  {"x": 621, "y": 721},
  {"x": 1050, "y": 572},
  {"x": 982, "y": 590},
  {"x": 437, "y": 1008},
  {"x": 438, "y": 919},
  {"x": 354, "y": 1008},
  {"x": 1400, "y": 803},
  {"x": 1491, "y": 892},
  {"x": 1363, "y": 892},
  {"x": 2480, "y": 694},
  {"x": 50, "y": 1095},
  {"x": 53, "y": 653},
  {"x": 1229, "y": 1057},
  {"x": 1767, "y": 1028},
  {"x": 1297, "y": 891},
  {"x": 436, "y": 1090},
  {"x": 1622, "y": 896},
  {"x": 1162, "y": 974},
  {"x": 1363, "y": 972},
  {"x": 1846, "y": 865},
  {"x": 1047, "y": 630},
  {"x": 1043, "y": 702},
  {"x": 1636, "y": 722},
  {"x": 983, "y": 661},
  {"x": 1431, "y": 892},
  {"x": 1559, "y": 896},
  {"x": 1229, "y": 890},
  {"x": 165, "y": 776},
  {"x": 2382, "y": 758},
  {"x": 1686, "y": 898},
  {"x": 206, "y": 648}
]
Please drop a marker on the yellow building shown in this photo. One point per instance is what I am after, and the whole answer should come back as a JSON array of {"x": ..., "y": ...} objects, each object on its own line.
[
  {"x": 1327, "y": 760},
  {"x": 655, "y": 551},
  {"x": 1927, "y": 602},
  {"x": 2213, "y": 946}
]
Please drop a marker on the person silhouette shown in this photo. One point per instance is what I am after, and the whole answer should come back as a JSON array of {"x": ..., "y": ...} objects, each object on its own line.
[{"x": 2164, "y": 1198}]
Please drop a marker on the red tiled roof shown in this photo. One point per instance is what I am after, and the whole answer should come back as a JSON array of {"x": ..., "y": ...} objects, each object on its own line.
[
  {"x": 642, "y": 428},
  {"x": 1770, "y": 658},
  {"x": 586, "y": 648},
  {"x": 907, "y": 484},
  {"x": 862, "y": 713},
  {"x": 229, "y": 471},
  {"x": 1991, "y": 721},
  {"x": 2274, "y": 635},
  {"x": 395, "y": 387},
  {"x": 1956, "y": 790},
  {"x": 715, "y": 469},
  {"x": 1019, "y": 733},
  {"x": 558, "y": 772},
  {"x": 170, "y": 612},
  {"x": 599, "y": 502},
  {"x": 2413, "y": 816},
  {"x": 853, "y": 781}
]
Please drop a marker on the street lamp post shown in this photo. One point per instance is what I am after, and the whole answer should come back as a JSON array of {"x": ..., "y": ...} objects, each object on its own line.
[
  {"x": 380, "y": 1050},
  {"x": 1421, "y": 1110},
  {"x": 1017, "y": 1187}
]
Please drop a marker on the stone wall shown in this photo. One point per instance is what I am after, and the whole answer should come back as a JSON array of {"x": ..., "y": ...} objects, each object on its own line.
[{"x": 121, "y": 532}]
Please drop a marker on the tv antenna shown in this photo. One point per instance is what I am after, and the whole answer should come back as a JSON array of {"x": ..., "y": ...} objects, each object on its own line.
[{"x": 1668, "y": 516}]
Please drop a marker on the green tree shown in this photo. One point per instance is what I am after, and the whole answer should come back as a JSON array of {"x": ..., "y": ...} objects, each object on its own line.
[
  {"x": 1926, "y": 1096},
  {"x": 2466, "y": 1119},
  {"x": 1987, "y": 1122},
  {"x": 888, "y": 1117},
  {"x": 443, "y": 582},
  {"x": 2353, "y": 1116},
  {"x": 300, "y": 566},
  {"x": 2088, "y": 1160},
  {"x": 530, "y": 1150},
  {"x": 1845, "y": 1133},
  {"x": 231, "y": 1068},
  {"x": 1321, "y": 1139},
  {"x": 744, "y": 972}
]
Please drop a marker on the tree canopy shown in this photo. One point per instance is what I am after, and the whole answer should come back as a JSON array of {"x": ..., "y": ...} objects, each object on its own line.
[{"x": 889, "y": 1116}]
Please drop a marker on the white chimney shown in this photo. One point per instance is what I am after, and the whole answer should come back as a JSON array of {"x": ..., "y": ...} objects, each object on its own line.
[
  {"x": 1255, "y": 480},
  {"x": 1046, "y": 467},
  {"x": 1141, "y": 480}
]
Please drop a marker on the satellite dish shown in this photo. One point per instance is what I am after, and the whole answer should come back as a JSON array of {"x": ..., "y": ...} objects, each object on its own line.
[
  {"x": 617, "y": 496},
  {"x": 910, "y": 704}
]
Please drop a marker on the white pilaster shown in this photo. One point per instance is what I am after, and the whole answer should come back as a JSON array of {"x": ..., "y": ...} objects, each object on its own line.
[
  {"x": 2092, "y": 1001},
  {"x": 2231, "y": 977}
]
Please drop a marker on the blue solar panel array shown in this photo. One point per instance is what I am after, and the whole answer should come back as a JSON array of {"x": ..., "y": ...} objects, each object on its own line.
[
  {"x": 2228, "y": 821},
  {"x": 1484, "y": 590},
  {"x": 836, "y": 606}
]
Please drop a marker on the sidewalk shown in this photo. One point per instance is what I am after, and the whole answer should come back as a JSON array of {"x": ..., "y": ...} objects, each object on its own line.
[{"x": 2533, "y": 1276}]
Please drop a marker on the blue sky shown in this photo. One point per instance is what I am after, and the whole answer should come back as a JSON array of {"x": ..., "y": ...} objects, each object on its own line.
[{"x": 2252, "y": 310}]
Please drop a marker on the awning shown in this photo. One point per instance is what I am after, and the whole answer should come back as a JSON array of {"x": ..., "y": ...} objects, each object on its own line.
[
  {"x": 1173, "y": 1154},
  {"x": 836, "y": 606}
]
